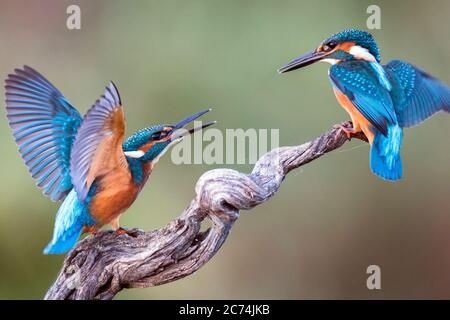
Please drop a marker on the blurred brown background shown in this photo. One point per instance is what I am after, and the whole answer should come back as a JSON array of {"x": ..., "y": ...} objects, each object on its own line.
[{"x": 331, "y": 218}]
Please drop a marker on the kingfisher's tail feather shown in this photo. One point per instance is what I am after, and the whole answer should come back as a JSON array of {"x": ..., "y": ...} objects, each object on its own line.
[
  {"x": 63, "y": 244},
  {"x": 385, "y": 158},
  {"x": 70, "y": 219}
]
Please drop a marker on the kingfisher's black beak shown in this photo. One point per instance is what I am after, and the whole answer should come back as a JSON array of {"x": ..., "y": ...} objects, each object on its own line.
[
  {"x": 303, "y": 61},
  {"x": 187, "y": 120}
]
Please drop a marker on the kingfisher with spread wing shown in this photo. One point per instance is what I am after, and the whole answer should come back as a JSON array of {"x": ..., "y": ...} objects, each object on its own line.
[
  {"x": 381, "y": 99},
  {"x": 83, "y": 161}
]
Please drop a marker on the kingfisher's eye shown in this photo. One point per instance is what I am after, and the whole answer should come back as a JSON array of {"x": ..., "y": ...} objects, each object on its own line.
[
  {"x": 159, "y": 135},
  {"x": 329, "y": 46}
]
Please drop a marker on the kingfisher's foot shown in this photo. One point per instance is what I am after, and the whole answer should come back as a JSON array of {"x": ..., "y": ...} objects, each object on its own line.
[
  {"x": 91, "y": 229},
  {"x": 131, "y": 232},
  {"x": 349, "y": 132}
]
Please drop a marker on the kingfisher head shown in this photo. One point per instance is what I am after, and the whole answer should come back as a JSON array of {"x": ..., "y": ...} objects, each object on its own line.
[
  {"x": 346, "y": 45},
  {"x": 150, "y": 143}
]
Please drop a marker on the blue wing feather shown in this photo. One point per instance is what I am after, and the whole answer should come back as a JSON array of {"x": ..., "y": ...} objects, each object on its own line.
[
  {"x": 91, "y": 133},
  {"x": 44, "y": 126},
  {"x": 360, "y": 83},
  {"x": 416, "y": 94}
]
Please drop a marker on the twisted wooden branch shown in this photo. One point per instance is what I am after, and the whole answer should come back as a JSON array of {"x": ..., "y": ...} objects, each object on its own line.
[{"x": 103, "y": 264}]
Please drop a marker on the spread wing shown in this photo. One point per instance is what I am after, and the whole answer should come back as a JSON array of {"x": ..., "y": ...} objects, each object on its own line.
[
  {"x": 360, "y": 83},
  {"x": 98, "y": 144},
  {"x": 44, "y": 126},
  {"x": 417, "y": 95}
]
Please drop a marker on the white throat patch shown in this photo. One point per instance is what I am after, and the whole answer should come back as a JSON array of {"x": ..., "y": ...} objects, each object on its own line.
[
  {"x": 134, "y": 154},
  {"x": 330, "y": 61},
  {"x": 154, "y": 161}
]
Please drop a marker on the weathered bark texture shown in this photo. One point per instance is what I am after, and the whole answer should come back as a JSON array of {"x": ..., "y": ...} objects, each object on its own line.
[{"x": 103, "y": 264}]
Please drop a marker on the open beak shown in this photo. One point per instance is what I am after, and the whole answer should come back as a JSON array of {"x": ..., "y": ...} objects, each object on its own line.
[
  {"x": 303, "y": 61},
  {"x": 177, "y": 134}
]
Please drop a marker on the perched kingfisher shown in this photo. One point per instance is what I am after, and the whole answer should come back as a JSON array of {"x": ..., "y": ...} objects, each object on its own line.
[
  {"x": 381, "y": 99},
  {"x": 83, "y": 161}
]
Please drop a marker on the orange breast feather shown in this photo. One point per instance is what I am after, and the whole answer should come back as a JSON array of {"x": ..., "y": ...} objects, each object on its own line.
[
  {"x": 116, "y": 192},
  {"x": 360, "y": 123}
]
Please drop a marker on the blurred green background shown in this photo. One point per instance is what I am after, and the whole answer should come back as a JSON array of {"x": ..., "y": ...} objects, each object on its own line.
[{"x": 331, "y": 218}]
